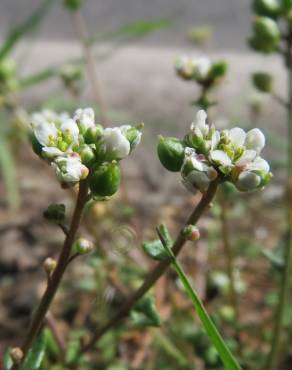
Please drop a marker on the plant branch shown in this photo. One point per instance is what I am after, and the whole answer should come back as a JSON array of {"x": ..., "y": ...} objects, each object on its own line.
[
  {"x": 272, "y": 363},
  {"x": 82, "y": 34},
  {"x": 156, "y": 273},
  {"x": 56, "y": 277}
]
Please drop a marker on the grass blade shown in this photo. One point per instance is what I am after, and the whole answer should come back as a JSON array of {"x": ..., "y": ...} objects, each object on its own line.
[{"x": 226, "y": 356}]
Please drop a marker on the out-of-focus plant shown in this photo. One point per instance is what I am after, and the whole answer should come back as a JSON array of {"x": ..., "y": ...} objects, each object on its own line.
[
  {"x": 85, "y": 155},
  {"x": 272, "y": 34}
]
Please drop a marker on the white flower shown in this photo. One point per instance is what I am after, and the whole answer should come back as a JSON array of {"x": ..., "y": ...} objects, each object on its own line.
[
  {"x": 69, "y": 169},
  {"x": 46, "y": 133},
  {"x": 114, "y": 144},
  {"x": 237, "y": 136},
  {"x": 199, "y": 127},
  {"x": 84, "y": 118},
  {"x": 202, "y": 67},
  {"x": 255, "y": 140},
  {"x": 220, "y": 158},
  {"x": 70, "y": 130},
  {"x": 248, "y": 181}
]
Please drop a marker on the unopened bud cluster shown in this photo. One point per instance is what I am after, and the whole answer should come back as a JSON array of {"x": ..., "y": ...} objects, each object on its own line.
[
  {"x": 266, "y": 34},
  {"x": 200, "y": 69},
  {"x": 206, "y": 154},
  {"x": 78, "y": 148}
]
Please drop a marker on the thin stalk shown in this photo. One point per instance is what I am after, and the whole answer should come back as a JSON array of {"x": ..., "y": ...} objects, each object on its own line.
[
  {"x": 226, "y": 356},
  {"x": 82, "y": 34},
  {"x": 155, "y": 274},
  {"x": 272, "y": 363},
  {"x": 53, "y": 284},
  {"x": 230, "y": 264}
]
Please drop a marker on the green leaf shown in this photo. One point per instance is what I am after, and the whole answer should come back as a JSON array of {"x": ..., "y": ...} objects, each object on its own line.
[
  {"x": 7, "y": 359},
  {"x": 226, "y": 356},
  {"x": 36, "y": 354},
  {"x": 134, "y": 30},
  {"x": 155, "y": 250},
  {"x": 26, "y": 26},
  {"x": 7, "y": 167},
  {"x": 146, "y": 306}
]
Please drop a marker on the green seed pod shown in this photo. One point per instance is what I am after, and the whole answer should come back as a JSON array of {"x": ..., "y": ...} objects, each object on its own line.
[
  {"x": 268, "y": 8},
  {"x": 93, "y": 134},
  {"x": 266, "y": 35},
  {"x": 105, "y": 179},
  {"x": 87, "y": 155},
  {"x": 263, "y": 82},
  {"x": 218, "y": 70},
  {"x": 55, "y": 212},
  {"x": 171, "y": 153}
]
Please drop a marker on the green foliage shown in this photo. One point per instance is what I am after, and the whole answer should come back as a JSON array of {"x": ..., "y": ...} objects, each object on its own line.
[
  {"x": 144, "y": 313},
  {"x": 267, "y": 8},
  {"x": 7, "y": 362},
  {"x": 55, "y": 212},
  {"x": 155, "y": 250},
  {"x": 17, "y": 33},
  {"x": 36, "y": 354},
  {"x": 8, "y": 170},
  {"x": 263, "y": 82},
  {"x": 72, "y": 4}
]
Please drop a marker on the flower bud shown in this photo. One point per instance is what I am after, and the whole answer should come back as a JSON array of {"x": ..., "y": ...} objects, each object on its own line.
[
  {"x": 7, "y": 69},
  {"x": 87, "y": 155},
  {"x": 133, "y": 134},
  {"x": 55, "y": 212},
  {"x": 49, "y": 265},
  {"x": 263, "y": 82},
  {"x": 248, "y": 181},
  {"x": 72, "y": 4},
  {"x": 93, "y": 134},
  {"x": 191, "y": 232},
  {"x": 218, "y": 70},
  {"x": 113, "y": 144},
  {"x": 266, "y": 35},
  {"x": 105, "y": 179},
  {"x": 16, "y": 355},
  {"x": 268, "y": 8},
  {"x": 171, "y": 153},
  {"x": 83, "y": 246}
]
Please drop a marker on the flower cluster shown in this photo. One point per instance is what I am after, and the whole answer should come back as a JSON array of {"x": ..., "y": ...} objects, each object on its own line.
[
  {"x": 266, "y": 34},
  {"x": 77, "y": 148},
  {"x": 206, "y": 154},
  {"x": 200, "y": 69}
]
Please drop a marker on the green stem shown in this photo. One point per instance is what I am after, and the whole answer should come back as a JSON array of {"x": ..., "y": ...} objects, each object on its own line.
[
  {"x": 272, "y": 363},
  {"x": 155, "y": 274},
  {"x": 226, "y": 356},
  {"x": 57, "y": 275}
]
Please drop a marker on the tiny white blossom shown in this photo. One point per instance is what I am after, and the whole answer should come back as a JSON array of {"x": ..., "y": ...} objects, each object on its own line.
[
  {"x": 84, "y": 118},
  {"x": 255, "y": 140},
  {"x": 69, "y": 169},
  {"x": 46, "y": 133},
  {"x": 70, "y": 129},
  {"x": 202, "y": 67},
  {"x": 115, "y": 144}
]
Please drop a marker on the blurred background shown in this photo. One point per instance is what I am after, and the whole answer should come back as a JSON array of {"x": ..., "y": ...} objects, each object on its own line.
[{"x": 135, "y": 44}]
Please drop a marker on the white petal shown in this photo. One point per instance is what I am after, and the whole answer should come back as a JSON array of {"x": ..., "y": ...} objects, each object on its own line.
[
  {"x": 203, "y": 66},
  {"x": 255, "y": 140},
  {"x": 247, "y": 157},
  {"x": 215, "y": 140},
  {"x": 116, "y": 143},
  {"x": 45, "y": 132},
  {"x": 237, "y": 136},
  {"x": 248, "y": 181},
  {"x": 124, "y": 129},
  {"x": 85, "y": 117},
  {"x": 220, "y": 157},
  {"x": 69, "y": 126},
  {"x": 200, "y": 122},
  {"x": 52, "y": 151},
  {"x": 259, "y": 164}
]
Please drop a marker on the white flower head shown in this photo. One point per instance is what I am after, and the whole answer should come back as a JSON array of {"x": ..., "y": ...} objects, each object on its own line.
[
  {"x": 114, "y": 144},
  {"x": 69, "y": 169},
  {"x": 84, "y": 118},
  {"x": 202, "y": 67},
  {"x": 46, "y": 133},
  {"x": 255, "y": 140},
  {"x": 70, "y": 130}
]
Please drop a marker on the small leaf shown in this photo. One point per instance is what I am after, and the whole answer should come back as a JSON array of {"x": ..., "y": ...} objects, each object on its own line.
[
  {"x": 7, "y": 359},
  {"x": 155, "y": 250},
  {"x": 36, "y": 354},
  {"x": 146, "y": 307},
  {"x": 275, "y": 259}
]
